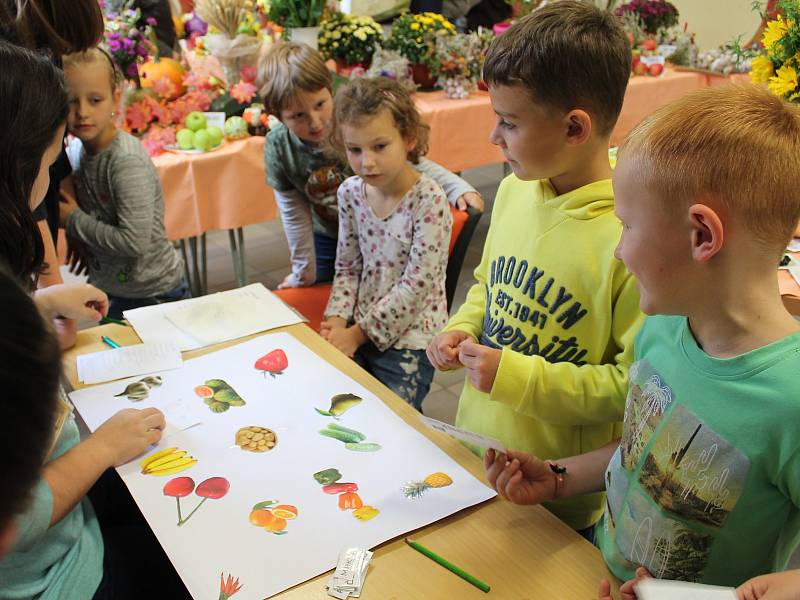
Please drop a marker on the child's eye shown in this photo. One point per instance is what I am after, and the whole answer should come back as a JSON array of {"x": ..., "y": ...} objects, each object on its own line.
[
  {"x": 354, "y": 150},
  {"x": 380, "y": 146},
  {"x": 505, "y": 124},
  {"x": 320, "y": 104}
]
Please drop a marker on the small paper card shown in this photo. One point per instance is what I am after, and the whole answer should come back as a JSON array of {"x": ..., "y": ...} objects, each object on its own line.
[
  {"x": 664, "y": 589},
  {"x": 128, "y": 361},
  {"x": 463, "y": 435},
  {"x": 215, "y": 119}
]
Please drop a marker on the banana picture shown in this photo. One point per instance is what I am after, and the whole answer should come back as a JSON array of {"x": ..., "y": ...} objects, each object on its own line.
[{"x": 167, "y": 462}]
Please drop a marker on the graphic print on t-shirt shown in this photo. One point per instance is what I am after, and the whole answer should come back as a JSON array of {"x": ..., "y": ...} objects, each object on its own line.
[
  {"x": 321, "y": 188},
  {"x": 648, "y": 399},
  {"x": 691, "y": 472}
]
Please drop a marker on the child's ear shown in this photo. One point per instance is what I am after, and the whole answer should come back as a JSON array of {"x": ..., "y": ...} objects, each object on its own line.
[
  {"x": 579, "y": 126},
  {"x": 410, "y": 143},
  {"x": 117, "y": 97},
  {"x": 707, "y": 232}
]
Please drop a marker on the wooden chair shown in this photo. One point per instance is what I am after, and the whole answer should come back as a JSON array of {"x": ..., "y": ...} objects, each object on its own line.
[{"x": 311, "y": 301}]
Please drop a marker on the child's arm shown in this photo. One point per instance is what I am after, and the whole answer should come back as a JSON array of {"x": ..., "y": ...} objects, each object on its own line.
[
  {"x": 459, "y": 192},
  {"x": 135, "y": 190},
  {"x": 342, "y": 301},
  {"x": 562, "y": 393},
  {"x": 299, "y": 229},
  {"x": 775, "y": 586},
  {"x": 123, "y": 437}
]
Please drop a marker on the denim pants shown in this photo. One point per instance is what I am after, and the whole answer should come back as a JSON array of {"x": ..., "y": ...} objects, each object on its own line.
[
  {"x": 408, "y": 373},
  {"x": 118, "y": 304},
  {"x": 325, "y": 251}
]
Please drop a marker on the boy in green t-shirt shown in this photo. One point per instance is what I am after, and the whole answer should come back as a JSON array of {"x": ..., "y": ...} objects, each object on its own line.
[{"x": 704, "y": 484}]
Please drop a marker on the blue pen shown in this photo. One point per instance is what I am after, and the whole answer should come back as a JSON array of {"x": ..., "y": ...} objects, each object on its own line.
[{"x": 110, "y": 342}]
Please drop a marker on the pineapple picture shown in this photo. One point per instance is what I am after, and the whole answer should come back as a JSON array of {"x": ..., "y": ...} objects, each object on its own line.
[{"x": 416, "y": 489}]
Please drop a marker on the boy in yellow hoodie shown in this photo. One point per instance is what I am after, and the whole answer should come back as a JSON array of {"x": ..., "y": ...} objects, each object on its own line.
[{"x": 546, "y": 334}]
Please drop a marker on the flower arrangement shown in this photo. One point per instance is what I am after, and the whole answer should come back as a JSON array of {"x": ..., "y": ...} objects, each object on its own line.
[
  {"x": 349, "y": 39},
  {"x": 413, "y": 36},
  {"x": 654, "y": 14},
  {"x": 127, "y": 45},
  {"x": 296, "y": 13},
  {"x": 460, "y": 61},
  {"x": 235, "y": 42},
  {"x": 778, "y": 65},
  {"x": 390, "y": 64}
]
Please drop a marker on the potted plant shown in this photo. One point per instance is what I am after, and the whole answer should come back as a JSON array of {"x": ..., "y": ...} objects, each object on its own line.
[
  {"x": 349, "y": 40},
  {"x": 778, "y": 65},
  {"x": 300, "y": 19},
  {"x": 414, "y": 36},
  {"x": 128, "y": 46},
  {"x": 654, "y": 14}
]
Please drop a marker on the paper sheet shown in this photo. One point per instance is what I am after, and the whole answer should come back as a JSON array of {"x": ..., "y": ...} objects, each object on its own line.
[
  {"x": 109, "y": 365},
  {"x": 469, "y": 437},
  {"x": 662, "y": 589},
  {"x": 199, "y": 322}
]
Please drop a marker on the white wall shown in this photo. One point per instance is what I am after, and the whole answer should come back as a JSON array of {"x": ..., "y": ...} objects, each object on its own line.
[{"x": 718, "y": 21}]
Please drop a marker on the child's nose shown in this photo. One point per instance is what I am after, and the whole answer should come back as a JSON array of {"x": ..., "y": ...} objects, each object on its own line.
[{"x": 495, "y": 137}]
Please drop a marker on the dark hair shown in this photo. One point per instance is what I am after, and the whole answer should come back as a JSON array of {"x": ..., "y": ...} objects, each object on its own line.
[
  {"x": 30, "y": 368},
  {"x": 33, "y": 105},
  {"x": 568, "y": 54},
  {"x": 365, "y": 98},
  {"x": 60, "y": 26}
]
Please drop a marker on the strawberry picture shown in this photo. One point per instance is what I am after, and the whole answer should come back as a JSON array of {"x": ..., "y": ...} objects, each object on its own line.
[{"x": 274, "y": 363}]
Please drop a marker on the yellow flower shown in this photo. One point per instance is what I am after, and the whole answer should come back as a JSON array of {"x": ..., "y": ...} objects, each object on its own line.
[
  {"x": 761, "y": 69},
  {"x": 774, "y": 32},
  {"x": 784, "y": 81},
  {"x": 419, "y": 40},
  {"x": 415, "y": 26}
]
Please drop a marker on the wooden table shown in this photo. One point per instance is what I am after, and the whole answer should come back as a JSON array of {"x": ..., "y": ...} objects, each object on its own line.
[{"x": 521, "y": 552}]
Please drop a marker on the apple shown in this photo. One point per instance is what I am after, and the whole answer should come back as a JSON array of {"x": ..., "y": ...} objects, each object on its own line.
[
  {"x": 196, "y": 120},
  {"x": 649, "y": 44},
  {"x": 185, "y": 139},
  {"x": 215, "y": 133},
  {"x": 640, "y": 69},
  {"x": 202, "y": 141},
  {"x": 655, "y": 70}
]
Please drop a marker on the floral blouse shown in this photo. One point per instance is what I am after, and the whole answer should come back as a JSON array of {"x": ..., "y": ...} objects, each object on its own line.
[{"x": 390, "y": 272}]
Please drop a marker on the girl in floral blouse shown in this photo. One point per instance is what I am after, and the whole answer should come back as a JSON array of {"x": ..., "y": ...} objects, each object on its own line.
[{"x": 388, "y": 297}]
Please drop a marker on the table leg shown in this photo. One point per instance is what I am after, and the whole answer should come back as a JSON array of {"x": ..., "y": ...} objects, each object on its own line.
[
  {"x": 236, "y": 239},
  {"x": 242, "y": 266},
  {"x": 203, "y": 265},
  {"x": 185, "y": 256}
]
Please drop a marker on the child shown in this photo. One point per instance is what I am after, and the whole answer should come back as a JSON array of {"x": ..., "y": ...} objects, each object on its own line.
[
  {"x": 546, "y": 334},
  {"x": 704, "y": 485},
  {"x": 388, "y": 295},
  {"x": 59, "y": 550},
  {"x": 296, "y": 87},
  {"x": 120, "y": 212}
]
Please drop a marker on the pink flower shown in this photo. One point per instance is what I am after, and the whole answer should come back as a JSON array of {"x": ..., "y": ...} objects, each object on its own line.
[
  {"x": 248, "y": 73},
  {"x": 138, "y": 116},
  {"x": 164, "y": 87},
  {"x": 243, "y": 92},
  {"x": 157, "y": 138}
]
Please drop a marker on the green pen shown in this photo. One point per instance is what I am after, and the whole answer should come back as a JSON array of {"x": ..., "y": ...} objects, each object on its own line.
[
  {"x": 107, "y": 320},
  {"x": 109, "y": 342},
  {"x": 448, "y": 565}
]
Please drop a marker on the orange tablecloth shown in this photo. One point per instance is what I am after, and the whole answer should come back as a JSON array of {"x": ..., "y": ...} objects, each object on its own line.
[{"x": 224, "y": 189}]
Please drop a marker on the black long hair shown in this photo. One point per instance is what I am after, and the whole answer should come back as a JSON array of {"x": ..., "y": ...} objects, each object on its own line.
[
  {"x": 33, "y": 106},
  {"x": 30, "y": 368}
]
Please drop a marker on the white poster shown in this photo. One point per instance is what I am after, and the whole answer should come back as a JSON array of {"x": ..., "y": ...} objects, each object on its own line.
[{"x": 285, "y": 462}]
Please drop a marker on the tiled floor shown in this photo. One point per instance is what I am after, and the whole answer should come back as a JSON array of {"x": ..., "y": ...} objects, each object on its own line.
[{"x": 267, "y": 261}]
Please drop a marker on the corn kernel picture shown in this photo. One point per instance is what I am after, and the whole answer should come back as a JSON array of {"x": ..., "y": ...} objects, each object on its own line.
[
  {"x": 416, "y": 489},
  {"x": 254, "y": 438}
]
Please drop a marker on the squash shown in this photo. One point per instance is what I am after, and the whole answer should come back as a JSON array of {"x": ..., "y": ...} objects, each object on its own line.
[{"x": 156, "y": 69}]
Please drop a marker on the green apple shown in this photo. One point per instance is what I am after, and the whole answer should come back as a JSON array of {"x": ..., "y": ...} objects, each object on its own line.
[
  {"x": 215, "y": 133},
  {"x": 185, "y": 139},
  {"x": 202, "y": 141},
  {"x": 196, "y": 121}
]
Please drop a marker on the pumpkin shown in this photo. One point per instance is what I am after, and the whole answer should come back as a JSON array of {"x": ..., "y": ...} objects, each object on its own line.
[{"x": 155, "y": 69}]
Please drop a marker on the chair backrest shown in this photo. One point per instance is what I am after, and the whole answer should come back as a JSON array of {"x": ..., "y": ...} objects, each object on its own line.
[{"x": 311, "y": 301}]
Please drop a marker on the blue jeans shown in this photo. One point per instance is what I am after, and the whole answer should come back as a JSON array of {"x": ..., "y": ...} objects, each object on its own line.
[
  {"x": 325, "y": 251},
  {"x": 118, "y": 304},
  {"x": 408, "y": 373}
]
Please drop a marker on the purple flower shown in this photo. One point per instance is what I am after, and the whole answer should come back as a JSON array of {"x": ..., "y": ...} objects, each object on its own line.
[
  {"x": 114, "y": 45},
  {"x": 132, "y": 70},
  {"x": 151, "y": 21}
]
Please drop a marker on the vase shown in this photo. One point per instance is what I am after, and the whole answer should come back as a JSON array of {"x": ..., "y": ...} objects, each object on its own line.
[
  {"x": 305, "y": 35},
  {"x": 344, "y": 68},
  {"x": 423, "y": 77}
]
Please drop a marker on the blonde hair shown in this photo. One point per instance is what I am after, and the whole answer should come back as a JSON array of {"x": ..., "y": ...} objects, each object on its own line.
[
  {"x": 365, "y": 98},
  {"x": 737, "y": 144},
  {"x": 94, "y": 55},
  {"x": 287, "y": 67}
]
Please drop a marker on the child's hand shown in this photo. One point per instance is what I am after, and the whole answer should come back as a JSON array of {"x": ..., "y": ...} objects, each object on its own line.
[
  {"x": 470, "y": 199},
  {"x": 519, "y": 477},
  {"x": 776, "y": 586},
  {"x": 331, "y": 323},
  {"x": 443, "y": 349},
  {"x": 73, "y": 301},
  {"x": 627, "y": 590},
  {"x": 347, "y": 339},
  {"x": 66, "y": 206},
  {"x": 128, "y": 433},
  {"x": 481, "y": 363},
  {"x": 77, "y": 257}
]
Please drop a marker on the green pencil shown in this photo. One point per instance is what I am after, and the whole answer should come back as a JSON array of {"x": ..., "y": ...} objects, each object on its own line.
[
  {"x": 448, "y": 565},
  {"x": 107, "y": 320}
]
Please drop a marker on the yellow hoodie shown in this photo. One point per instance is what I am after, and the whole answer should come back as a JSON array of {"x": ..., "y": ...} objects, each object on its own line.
[{"x": 565, "y": 312}]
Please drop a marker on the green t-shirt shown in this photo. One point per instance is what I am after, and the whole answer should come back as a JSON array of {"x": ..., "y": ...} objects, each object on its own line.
[
  {"x": 62, "y": 561},
  {"x": 705, "y": 485}
]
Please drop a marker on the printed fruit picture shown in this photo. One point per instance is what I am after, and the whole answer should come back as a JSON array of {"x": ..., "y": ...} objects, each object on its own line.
[
  {"x": 139, "y": 390},
  {"x": 416, "y": 489},
  {"x": 353, "y": 440},
  {"x": 167, "y": 462},
  {"x": 272, "y": 517},
  {"x": 340, "y": 403},
  {"x": 254, "y": 438},
  {"x": 218, "y": 395},
  {"x": 212, "y": 488},
  {"x": 348, "y": 498},
  {"x": 274, "y": 363}
]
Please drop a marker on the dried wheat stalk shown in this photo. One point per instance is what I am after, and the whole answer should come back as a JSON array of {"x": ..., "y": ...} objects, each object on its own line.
[{"x": 225, "y": 15}]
